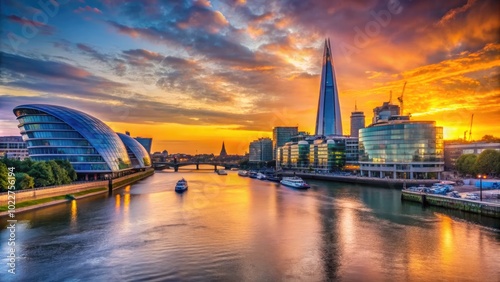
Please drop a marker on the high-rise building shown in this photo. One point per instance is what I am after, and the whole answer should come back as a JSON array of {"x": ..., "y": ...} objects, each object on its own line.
[
  {"x": 261, "y": 150},
  {"x": 328, "y": 119},
  {"x": 13, "y": 147},
  {"x": 357, "y": 121},
  {"x": 223, "y": 151},
  {"x": 281, "y": 135}
]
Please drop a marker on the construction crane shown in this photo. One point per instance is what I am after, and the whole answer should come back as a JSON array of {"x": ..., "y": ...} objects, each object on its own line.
[
  {"x": 470, "y": 129},
  {"x": 400, "y": 99},
  {"x": 390, "y": 97}
]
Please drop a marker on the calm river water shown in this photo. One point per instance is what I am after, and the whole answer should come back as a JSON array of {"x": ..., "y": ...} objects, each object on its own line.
[{"x": 230, "y": 228}]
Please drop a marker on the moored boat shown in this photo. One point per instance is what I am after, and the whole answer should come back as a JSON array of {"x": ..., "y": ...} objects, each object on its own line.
[
  {"x": 295, "y": 182},
  {"x": 221, "y": 172},
  {"x": 243, "y": 173},
  {"x": 261, "y": 176},
  {"x": 181, "y": 186}
]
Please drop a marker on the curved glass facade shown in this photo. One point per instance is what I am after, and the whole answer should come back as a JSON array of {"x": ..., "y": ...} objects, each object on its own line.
[
  {"x": 136, "y": 152},
  {"x": 409, "y": 149},
  {"x": 59, "y": 133}
]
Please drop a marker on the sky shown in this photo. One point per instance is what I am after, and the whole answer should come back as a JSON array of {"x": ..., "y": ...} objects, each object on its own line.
[{"x": 192, "y": 74}]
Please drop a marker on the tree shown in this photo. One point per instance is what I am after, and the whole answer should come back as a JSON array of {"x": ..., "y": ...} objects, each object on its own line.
[
  {"x": 465, "y": 164},
  {"x": 4, "y": 175},
  {"x": 66, "y": 165},
  {"x": 488, "y": 162},
  {"x": 24, "y": 181},
  {"x": 490, "y": 138},
  {"x": 60, "y": 174},
  {"x": 42, "y": 173},
  {"x": 25, "y": 165}
]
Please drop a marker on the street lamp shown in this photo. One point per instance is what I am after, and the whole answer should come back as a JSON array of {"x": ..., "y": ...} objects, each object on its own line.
[{"x": 481, "y": 176}]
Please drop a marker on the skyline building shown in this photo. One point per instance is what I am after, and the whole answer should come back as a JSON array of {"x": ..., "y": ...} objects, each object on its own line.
[
  {"x": 357, "y": 121},
  {"x": 13, "y": 147},
  {"x": 328, "y": 119},
  {"x": 261, "y": 150},
  {"x": 281, "y": 135},
  {"x": 94, "y": 150}
]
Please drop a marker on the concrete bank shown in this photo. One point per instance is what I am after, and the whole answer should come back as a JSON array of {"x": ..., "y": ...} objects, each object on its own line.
[
  {"x": 482, "y": 208},
  {"x": 379, "y": 182},
  {"x": 34, "y": 194}
]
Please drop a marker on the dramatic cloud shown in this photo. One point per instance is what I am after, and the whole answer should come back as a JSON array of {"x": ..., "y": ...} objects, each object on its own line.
[{"x": 233, "y": 68}]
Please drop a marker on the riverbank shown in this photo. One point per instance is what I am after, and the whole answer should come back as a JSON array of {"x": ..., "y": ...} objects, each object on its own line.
[
  {"x": 478, "y": 207},
  {"x": 372, "y": 181},
  {"x": 39, "y": 198}
]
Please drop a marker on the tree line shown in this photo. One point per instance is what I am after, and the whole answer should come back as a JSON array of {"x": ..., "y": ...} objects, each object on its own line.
[
  {"x": 33, "y": 174},
  {"x": 488, "y": 162}
]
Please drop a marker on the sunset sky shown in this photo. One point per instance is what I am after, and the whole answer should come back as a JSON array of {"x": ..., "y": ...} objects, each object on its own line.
[{"x": 192, "y": 74}]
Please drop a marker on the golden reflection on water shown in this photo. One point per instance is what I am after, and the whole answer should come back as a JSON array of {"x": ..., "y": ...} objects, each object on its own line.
[
  {"x": 74, "y": 213},
  {"x": 117, "y": 203}
]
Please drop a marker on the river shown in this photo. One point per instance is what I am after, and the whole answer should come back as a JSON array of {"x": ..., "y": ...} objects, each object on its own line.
[{"x": 231, "y": 228}]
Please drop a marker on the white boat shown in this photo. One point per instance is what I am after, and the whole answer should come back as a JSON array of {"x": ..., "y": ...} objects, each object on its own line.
[
  {"x": 295, "y": 182},
  {"x": 243, "y": 173},
  {"x": 181, "y": 185},
  {"x": 261, "y": 176},
  {"x": 221, "y": 172}
]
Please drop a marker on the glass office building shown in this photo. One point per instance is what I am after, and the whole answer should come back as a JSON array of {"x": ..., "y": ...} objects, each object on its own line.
[
  {"x": 401, "y": 149},
  {"x": 320, "y": 154},
  {"x": 59, "y": 133}
]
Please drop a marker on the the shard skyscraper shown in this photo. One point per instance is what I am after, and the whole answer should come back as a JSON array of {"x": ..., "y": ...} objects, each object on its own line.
[{"x": 328, "y": 120}]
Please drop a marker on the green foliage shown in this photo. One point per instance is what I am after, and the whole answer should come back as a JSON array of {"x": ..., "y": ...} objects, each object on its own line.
[
  {"x": 42, "y": 173},
  {"x": 4, "y": 173},
  {"x": 66, "y": 165},
  {"x": 488, "y": 162},
  {"x": 60, "y": 174},
  {"x": 465, "y": 164},
  {"x": 24, "y": 181}
]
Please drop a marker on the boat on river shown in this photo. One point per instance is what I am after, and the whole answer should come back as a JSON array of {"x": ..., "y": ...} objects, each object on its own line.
[
  {"x": 181, "y": 186},
  {"x": 295, "y": 182},
  {"x": 243, "y": 173},
  {"x": 221, "y": 172}
]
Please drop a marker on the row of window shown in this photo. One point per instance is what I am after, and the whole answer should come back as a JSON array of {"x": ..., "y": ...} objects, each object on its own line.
[
  {"x": 53, "y": 134},
  {"x": 64, "y": 151},
  {"x": 58, "y": 143},
  {"x": 86, "y": 167},
  {"x": 38, "y": 118},
  {"x": 12, "y": 145},
  {"x": 45, "y": 126},
  {"x": 92, "y": 159}
]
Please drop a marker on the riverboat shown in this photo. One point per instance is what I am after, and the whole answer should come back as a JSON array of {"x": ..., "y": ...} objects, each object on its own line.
[{"x": 295, "y": 182}]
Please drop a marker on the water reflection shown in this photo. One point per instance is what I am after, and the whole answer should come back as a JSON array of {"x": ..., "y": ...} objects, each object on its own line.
[{"x": 234, "y": 228}]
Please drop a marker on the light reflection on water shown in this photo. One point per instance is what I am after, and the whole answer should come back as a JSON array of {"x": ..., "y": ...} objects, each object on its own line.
[{"x": 235, "y": 228}]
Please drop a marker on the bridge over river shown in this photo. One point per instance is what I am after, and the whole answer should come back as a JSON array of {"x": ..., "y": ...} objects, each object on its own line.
[{"x": 176, "y": 165}]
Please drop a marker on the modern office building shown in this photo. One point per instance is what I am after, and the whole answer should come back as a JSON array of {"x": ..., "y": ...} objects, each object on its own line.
[
  {"x": 320, "y": 154},
  {"x": 59, "y": 133},
  {"x": 13, "y": 147},
  {"x": 281, "y": 135},
  {"x": 328, "y": 119},
  {"x": 357, "y": 122},
  {"x": 452, "y": 151},
  {"x": 352, "y": 152},
  {"x": 401, "y": 149},
  {"x": 261, "y": 150}
]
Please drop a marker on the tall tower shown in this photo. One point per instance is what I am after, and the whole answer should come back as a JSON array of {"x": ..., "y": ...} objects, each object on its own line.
[
  {"x": 223, "y": 151},
  {"x": 357, "y": 121},
  {"x": 328, "y": 120}
]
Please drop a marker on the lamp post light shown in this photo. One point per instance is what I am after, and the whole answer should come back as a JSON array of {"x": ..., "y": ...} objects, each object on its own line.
[{"x": 481, "y": 176}]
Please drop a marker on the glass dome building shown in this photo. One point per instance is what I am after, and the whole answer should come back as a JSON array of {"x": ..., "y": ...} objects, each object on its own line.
[
  {"x": 137, "y": 154},
  {"x": 59, "y": 133}
]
